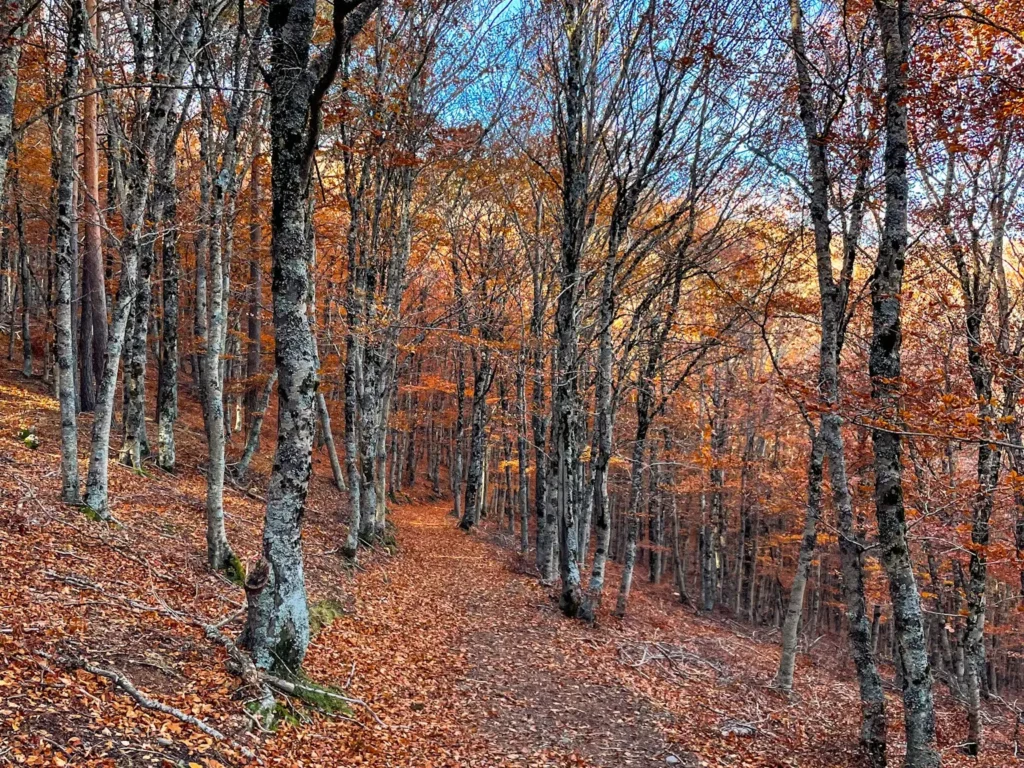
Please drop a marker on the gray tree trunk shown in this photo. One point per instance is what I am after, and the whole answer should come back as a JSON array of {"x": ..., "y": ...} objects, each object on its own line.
[
  {"x": 252, "y": 439},
  {"x": 280, "y": 621},
  {"x": 633, "y": 511},
  {"x": 808, "y": 542},
  {"x": 10, "y": 59},
  {"x": 483, "y": 377},
  {"x": 352, "y": 430},
  {"x": 522, "y": 458},
  {"x": 833, "y": 301},
  {"x": 135, "y": 446},
  {"x": 884, "y": 366},
  {"x": 167, "y": 385},
  {"x": 25, "y": 273},
  {"x": 219, "y": 555},
  {"x": 172, "y": 65},
  {"x": 66, "y": 257},
  {"x": 603, "y": 430},
  {"x": 576, "y": 146}
]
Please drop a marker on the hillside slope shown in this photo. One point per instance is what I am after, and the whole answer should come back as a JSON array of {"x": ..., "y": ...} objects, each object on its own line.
[{"x": 460, "y": 655}]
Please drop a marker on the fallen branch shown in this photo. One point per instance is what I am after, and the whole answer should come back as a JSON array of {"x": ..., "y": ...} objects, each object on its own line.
[
  {"x": 125, "y": 684},
  {"x": 239, "y": 661}
]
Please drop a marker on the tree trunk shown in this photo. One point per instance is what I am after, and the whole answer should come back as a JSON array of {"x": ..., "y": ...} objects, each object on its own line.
[
  {"x": 167, "y": 385},
  {"x": 25, "y": 272},
  {"x": 522, "y": 458},
  {"x": 65, "y": 258},
  {"x": 160, "y": 103},
  {"x": 254, "y": 318},
  {"x": 872, "y": 696},
  {"x": 352, "y": 433},
  {"x": 884, "y": 366},
  {"x": 633, "y": 511},
  {"x": 93, "y": 336},
  {"x": 604, "y": 424},
  {"x": 482, "y": 379},
  {"x": 13, "y": 24},
  {"x": 252, "y": 439},
  {"x": 135, "y": 446},
  {"x": 283, "y": 621},
  {"x": 808, "y": 542}
]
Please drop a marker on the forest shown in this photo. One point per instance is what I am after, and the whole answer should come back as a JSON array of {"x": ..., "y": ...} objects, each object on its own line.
[{"x": 529, "y": 383}]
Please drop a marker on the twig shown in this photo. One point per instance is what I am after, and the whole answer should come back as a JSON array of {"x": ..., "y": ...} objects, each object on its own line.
[{"x": 125, "y": 684}]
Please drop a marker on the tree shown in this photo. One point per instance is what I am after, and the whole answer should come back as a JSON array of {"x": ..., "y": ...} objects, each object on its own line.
[
  {"x": 821, "y": 124},
  {"x": 894, "y": 24},
  {"x": 13, "y": 20},
  {"x": 181, "y": 24},
  {"x": 65, "y": 255},
  {"x": 279, "y": 620}
]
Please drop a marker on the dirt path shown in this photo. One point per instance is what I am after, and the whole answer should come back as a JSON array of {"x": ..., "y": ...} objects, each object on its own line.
[{"x": 478, "y": 665}]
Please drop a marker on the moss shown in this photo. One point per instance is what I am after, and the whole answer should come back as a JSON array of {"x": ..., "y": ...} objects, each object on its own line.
[
  {"x": 323, "y": 613},
  {"x": 319, "y": 696},
  {"x": 281, "y": 715},
  {"x": 91, "y": 514},
  {"x": 390, "y": 538},
  {"x": 28, "y": 437},
  {"x": 235, "y": 570}
]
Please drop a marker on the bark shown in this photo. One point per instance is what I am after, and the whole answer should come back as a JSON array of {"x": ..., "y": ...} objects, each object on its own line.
[
  {"x": 332, "y": 451},
  {"x": 65, "y": 258},
  {"x": 219, "y": 554},
  {"x": 93, "y": 337},
  {"x": 10, "y": 58},
  {"x": 324, "y": 415},
  {"x": 522, "y": 457},
  {"x": 25, "y": 273},
  {"x": 252, "y": 439},
  {"x": 884, "y": 366},
  {"x": 281, "y": 623},
  {"x": 714, "y": 526},
  {"x": 352, "y": 351},
  {"x": 576, "y": 147},
  {"x": 833, "y": 302},
  {"x": 633, "y": 512},
  {"x": 678, "y": 557},
  {"x": 172, "y": 66},
  {"x": 483, "y": 377},
  {"x": 135, "y": 446},
  {"x": 539, "y": 425},
  {"x": 977, "y": 275},
  {"x": 603, "y": 430},
  {"x": 808, "y": 542},
  {"x": 167, "y": 384},
  {"x": 872, "y": 696},
  {"x": 254, "y": 319}
]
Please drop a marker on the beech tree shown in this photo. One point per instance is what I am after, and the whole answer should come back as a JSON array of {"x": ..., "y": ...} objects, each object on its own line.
[
  {"x": 180, "y": 23},
  {"x": 821, "y": 124},
  {"x": 65, "y": 255},
  {"x": 278, "y": 625},
  {"x": 884, "y": 365}
]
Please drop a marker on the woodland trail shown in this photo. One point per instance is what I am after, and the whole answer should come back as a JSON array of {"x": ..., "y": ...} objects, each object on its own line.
[{"x": 523, "y": 692}]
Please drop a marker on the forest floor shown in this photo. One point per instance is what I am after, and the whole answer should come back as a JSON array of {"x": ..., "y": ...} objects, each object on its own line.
[{"x": 459, "y": 652}]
